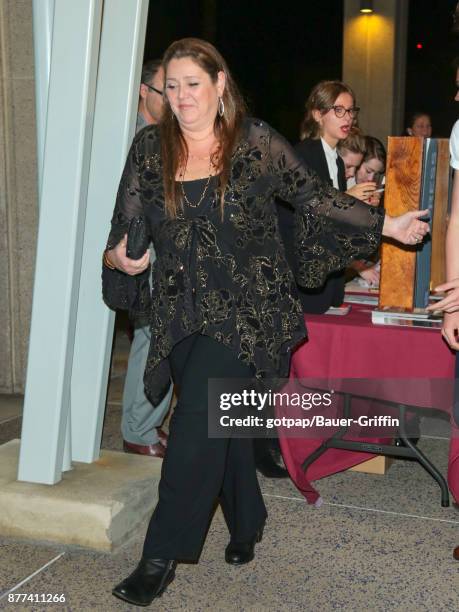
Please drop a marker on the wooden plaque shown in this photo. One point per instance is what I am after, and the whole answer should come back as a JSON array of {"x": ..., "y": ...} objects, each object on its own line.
[{"x": 403, "y": 191}]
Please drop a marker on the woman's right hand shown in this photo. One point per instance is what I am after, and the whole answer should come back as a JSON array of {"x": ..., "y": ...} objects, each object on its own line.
[
  {"x": 362, "y": 191},
  {"x": 407, "y": 228},
  {"x": 450, "y": 303},
  {"x": 117, "y": 257}
]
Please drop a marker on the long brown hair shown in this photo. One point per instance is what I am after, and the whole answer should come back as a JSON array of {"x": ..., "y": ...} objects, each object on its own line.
[
  {"x": 374, "y": 149},
  {"x": 321, "y": 98},
  {"x": 174, "y": 150}
]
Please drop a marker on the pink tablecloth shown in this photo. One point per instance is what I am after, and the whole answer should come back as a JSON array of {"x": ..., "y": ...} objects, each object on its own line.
[{"x": 351, "y": 346}]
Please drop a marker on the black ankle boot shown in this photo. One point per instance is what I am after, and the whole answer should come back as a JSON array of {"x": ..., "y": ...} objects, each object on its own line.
[
  {"x": 147, "y": 581},
  {"x": 238, "y": 553}
]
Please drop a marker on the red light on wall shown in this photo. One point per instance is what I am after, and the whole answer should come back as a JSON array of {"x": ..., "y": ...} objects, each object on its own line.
[{"x": 419, "y": 46}]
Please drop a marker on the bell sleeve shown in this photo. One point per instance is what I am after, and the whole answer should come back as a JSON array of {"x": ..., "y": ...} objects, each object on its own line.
[
  {"x": 331, "y": 229},
  {"x": 120, "y": 290}
]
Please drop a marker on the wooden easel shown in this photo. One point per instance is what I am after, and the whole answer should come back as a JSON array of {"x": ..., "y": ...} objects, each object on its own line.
[{"x": 403, "y": 193}]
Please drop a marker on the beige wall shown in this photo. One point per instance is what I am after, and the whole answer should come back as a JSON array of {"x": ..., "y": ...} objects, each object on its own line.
[
  {"x": 374, "y": 63},
  {"x": 18, "y": 197}
]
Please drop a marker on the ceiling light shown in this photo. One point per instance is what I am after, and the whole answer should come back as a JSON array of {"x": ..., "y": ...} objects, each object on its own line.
[{"x": 366, "y": 6}]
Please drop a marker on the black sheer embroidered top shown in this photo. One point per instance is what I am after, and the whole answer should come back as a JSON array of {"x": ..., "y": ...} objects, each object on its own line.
[{"x": 229, "y": 278}]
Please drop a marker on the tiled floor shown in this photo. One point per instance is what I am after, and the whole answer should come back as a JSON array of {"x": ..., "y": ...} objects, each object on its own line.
[{"x": 378, "y": 543}]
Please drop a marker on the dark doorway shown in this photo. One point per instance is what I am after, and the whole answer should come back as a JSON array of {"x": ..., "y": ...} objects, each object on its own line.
[
  {"x": 276, "y": 51},
  {"x": 431, "y": 47}
]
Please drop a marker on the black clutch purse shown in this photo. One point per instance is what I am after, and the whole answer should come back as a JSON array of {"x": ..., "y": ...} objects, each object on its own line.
[{"x": 137, "y": 238}]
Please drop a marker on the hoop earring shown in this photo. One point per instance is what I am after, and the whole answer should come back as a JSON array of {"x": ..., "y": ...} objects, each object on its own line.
[{"x": 221, "y": 107}]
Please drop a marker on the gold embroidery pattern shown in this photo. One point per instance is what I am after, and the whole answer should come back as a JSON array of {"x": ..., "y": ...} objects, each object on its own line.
[{"x": 229, "y": 278}]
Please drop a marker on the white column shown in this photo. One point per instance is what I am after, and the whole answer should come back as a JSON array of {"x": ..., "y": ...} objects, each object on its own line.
[
  {"x": 120, "y": 64},
  {"x": 73, "y": 72},
  {"x": 43, "y": 16}
]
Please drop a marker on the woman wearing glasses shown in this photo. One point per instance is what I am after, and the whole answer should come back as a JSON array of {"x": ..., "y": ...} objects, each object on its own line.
[{"x": 331, "y": 112}]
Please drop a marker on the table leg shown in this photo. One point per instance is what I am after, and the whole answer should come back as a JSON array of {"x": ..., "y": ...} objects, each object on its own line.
[
  {"x": 410, "y": 451},
  {"x": 336, "y": 436},
  {"x": 417, "y": 454}
]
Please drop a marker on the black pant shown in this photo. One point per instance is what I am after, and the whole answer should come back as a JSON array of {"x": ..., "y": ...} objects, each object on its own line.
[{"x": 198, "y": 469}]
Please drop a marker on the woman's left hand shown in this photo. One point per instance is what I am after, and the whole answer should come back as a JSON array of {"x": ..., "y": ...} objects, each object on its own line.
[
  {"x": 407, "y": 228},
  {"x": 450, "y": 330},
  {"x": 371, "y": 276},
  {"x": 362, "y": 191},
  {"x": 450, "y": 303}
]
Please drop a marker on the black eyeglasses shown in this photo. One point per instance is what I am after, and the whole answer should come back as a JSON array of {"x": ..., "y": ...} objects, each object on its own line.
[
  {"x": 340, "y": 111},
  {"x": 158, "y": 91}
]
